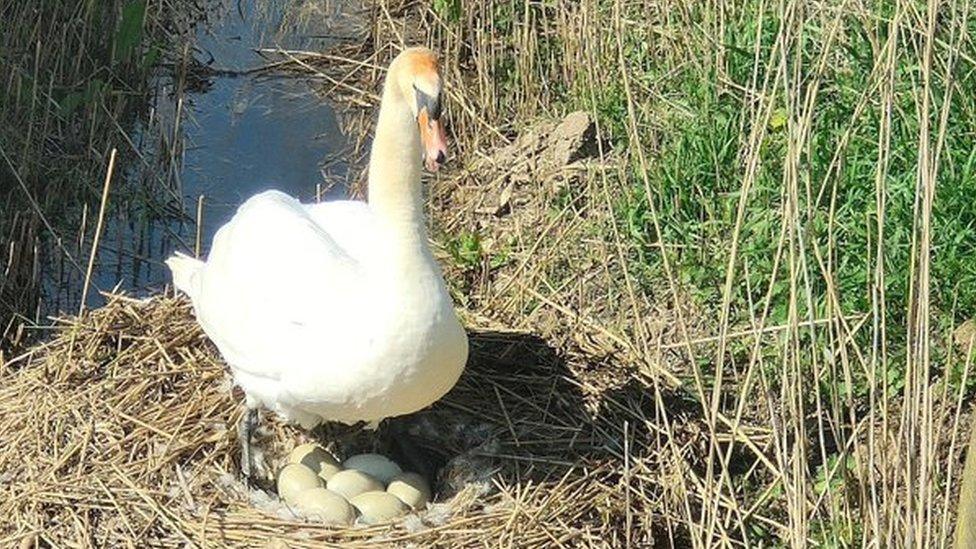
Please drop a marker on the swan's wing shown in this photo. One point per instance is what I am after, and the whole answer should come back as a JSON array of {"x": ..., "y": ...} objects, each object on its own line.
[
  {"x": 278, "y": 291},
  {"x": 350, "y": 223}
]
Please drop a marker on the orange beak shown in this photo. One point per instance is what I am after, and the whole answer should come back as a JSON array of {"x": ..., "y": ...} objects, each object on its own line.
[{"x": 433, "y": 139}]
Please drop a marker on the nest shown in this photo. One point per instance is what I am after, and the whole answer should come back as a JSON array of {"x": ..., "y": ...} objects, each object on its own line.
[{"x": 121, "y": 431}]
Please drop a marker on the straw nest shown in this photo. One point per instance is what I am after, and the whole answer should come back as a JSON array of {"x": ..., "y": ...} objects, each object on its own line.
[{"x": 121, "y": 431}]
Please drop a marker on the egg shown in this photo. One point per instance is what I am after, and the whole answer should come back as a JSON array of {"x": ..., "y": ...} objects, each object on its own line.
[
  {"x": 295, "y": 478},
  {"x": 327, "y": 505},
  {"x": 410, "y": 488},
  {"x": 377, "y": 507},
  {"x": 350, "y": 483},
  {"x": 379, "y": 467},
  {"x": 315, "y": 458},
  {"x": 329, "y": 470}
]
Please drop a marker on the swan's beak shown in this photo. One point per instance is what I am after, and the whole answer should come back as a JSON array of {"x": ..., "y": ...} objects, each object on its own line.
[{"x": 434, "y": 141}]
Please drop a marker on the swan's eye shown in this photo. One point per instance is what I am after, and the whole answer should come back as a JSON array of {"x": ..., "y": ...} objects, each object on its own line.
[{"x": 431, "y": 103}]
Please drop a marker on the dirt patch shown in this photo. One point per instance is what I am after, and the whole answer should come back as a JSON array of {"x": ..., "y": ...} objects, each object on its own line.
[{"x": 544, "y": 152}]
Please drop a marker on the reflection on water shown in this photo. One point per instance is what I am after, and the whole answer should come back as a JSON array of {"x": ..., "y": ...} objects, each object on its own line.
[
  {"x": 248, "y": 135},
  {"x": 236, "y": 133}
]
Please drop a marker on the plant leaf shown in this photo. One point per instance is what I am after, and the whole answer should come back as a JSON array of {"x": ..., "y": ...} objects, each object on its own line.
[{"x": 129, "y": 33}]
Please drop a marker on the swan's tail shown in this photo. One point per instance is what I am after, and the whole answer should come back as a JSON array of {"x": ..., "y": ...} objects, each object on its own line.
[{"x": 186, "y": 273}]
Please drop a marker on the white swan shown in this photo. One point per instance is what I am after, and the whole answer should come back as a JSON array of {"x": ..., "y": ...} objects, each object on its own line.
[{"x": 338, "y": 311}]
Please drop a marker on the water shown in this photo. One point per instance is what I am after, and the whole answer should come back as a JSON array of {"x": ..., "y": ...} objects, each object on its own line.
[{"x": 238, "y": 132}]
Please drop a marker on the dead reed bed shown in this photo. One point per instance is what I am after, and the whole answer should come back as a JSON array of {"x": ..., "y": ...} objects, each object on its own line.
[
  {"x": 77, "y": 81},
  {"x": 122, "y": 427}
]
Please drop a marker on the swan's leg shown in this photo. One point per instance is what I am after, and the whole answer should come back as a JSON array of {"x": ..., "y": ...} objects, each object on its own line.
[{"x": 252, "y": 466}]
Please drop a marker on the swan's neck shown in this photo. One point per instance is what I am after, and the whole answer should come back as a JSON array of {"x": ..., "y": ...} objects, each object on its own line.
[{"x": 394, "y": 169}]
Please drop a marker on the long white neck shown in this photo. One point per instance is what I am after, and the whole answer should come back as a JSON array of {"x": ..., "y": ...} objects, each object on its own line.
[{"x": 394, "y": 192}]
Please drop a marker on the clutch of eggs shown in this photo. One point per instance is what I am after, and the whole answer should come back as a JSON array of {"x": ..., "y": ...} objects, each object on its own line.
[{"x": 370, "y": 486}]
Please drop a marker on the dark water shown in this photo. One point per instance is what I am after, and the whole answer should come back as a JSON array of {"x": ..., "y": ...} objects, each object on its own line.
[{"x": 237, "y": 133}]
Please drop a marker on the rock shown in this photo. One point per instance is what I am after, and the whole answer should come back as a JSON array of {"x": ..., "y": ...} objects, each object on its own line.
[
  {"x": 965, "y": 333},
  {"x": 548, "y": 145},
  {"x": 534, "y": 139},
  {"x": 573, "y": 139},
  {"x": 534, "y": 159}
]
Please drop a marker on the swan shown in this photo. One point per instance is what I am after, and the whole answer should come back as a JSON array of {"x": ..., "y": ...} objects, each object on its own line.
[{"x": 338, "y": 311}]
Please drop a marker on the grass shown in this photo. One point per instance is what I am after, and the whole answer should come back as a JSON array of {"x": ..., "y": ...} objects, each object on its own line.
[
  {"x": 696, "y": 170},
  {"x": 801, "y": 170}
]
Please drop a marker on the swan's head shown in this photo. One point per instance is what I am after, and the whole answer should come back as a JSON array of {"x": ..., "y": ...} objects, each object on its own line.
[{"x": 418, "y": 78}]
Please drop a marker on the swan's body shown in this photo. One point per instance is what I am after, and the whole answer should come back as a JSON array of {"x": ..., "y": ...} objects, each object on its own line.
[{"x": 337, "y": 311}]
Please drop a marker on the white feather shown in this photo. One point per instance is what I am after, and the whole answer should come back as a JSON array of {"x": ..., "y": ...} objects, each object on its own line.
[
  {"x": 301, "y": 302},
  {"x": 185, "y": 270}
]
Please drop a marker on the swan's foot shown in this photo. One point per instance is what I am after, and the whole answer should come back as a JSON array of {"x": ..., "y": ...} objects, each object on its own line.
[{"x": 253, "y": 468}]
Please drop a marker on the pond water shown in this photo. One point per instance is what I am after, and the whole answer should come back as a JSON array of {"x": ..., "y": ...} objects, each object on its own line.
[{"x": 237, "y": 132}]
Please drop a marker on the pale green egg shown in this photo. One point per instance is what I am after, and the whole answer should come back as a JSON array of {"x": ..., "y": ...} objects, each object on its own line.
[
  {"x": 295, "y": 478},
  {"x": 377, "y": 507},
  {"x": 411, "y": 488},
  {"x": 377, "y": 466},
  {"x": 325, "y": 505},
  {"x": 350, "y": 483}
]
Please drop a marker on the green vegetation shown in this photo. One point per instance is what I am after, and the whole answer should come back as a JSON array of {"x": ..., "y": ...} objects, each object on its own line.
[
  {"x": 696, "y": 174},
  {"x": 77, "y": 78},
  {"x": 808, "y": 169}
]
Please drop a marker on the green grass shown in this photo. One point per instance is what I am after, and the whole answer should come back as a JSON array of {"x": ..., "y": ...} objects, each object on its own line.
[
  {"x": 690, "y": 97},
  {"x": 696, "y": 179}
]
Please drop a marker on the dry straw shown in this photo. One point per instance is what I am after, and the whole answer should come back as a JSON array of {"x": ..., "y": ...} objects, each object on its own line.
[{"x": 119, "y": 431}]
